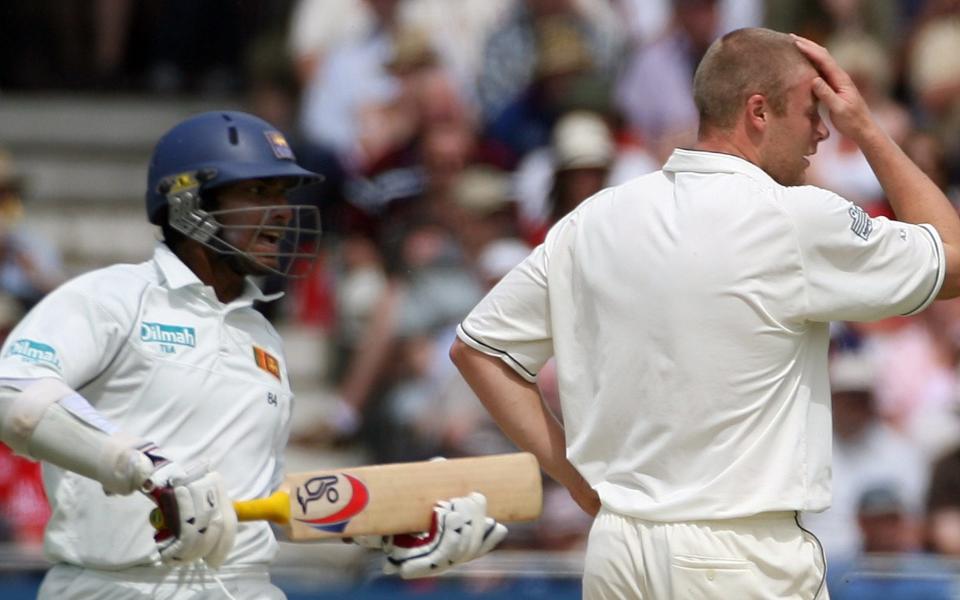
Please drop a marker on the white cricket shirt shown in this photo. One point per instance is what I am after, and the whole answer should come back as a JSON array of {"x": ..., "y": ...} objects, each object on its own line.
[
  {"x": 688, "y": 310},
  {"x": 154, "y": 351}
]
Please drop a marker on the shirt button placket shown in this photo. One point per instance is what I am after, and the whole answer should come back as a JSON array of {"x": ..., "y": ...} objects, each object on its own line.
[{"x": 221, "y": 331}]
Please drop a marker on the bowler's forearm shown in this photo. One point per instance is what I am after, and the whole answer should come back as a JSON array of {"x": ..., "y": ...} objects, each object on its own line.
[
  {"x": 915, "y": 198},
  {"x": 518, "y": 408}
]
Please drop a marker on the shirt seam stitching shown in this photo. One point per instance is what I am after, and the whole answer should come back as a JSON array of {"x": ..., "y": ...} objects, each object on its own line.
[
  {"x": 941, "y": 266},
  {"x": 497, "y": 350}
]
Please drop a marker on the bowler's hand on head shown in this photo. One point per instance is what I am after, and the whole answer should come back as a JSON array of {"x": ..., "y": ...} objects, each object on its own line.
[{"x": 835, "y": 89}]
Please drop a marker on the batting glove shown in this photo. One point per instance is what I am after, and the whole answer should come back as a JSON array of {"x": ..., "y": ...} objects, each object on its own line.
[
  {"x": 194, "y": 518},
  {"x": 459, "y": 532}
]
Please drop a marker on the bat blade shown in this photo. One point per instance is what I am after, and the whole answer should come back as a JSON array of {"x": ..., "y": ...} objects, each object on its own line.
[{"x": 397, "y": 498}]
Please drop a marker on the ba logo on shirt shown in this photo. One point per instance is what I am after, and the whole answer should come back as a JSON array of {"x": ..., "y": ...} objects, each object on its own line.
[
  {"x": 34, "y": 352},
  {"x": 168, "y": 336}
]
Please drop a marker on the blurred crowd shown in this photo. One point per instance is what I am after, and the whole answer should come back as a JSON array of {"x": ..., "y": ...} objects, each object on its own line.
[{"x": 453, "y": 133}]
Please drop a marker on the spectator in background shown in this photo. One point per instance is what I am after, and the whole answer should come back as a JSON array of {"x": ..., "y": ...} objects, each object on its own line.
[
  {"x": 485, "y": 214},
  {"x": 565, "y": 77},
  {"x": 409, "y": 147},
  {"x": 29, "y": 266},
  {"x": 663, "y": 114},
  {"x": 839, "y": 165},
  {"x": 886, "y": 524},
  {"x": 583, "y": 158},
  {"x": 439, "y": 252},
  {"x": 410, "y": 264},
  {"x": 319, "y": 27},
  {"x": 352, "y": 79},
  {"x": 429, "y": 290},
  {"x": 934, "y": 75},
  {"x": 943, "y": 506},
  {"x": 371, "y": 93},
  {"x": 889, "y": 565},
  {"x": 917, "y": 379},
  {"x": 820, "y": 20},
  {"x": 28, "y": 270},
  {"x": 456, "y": 29},
  {"x": 24, "y": 510},
  {"x": 462, "y": 424},
  {"x": 926, "y": 149},
  {"x": 581, "y": 170},
  {"x": 512, "y": 51},
  {"x": 647, "y": 20},
  {"x": 427, "y": 100},
  {"x": 866, "y": 453}
]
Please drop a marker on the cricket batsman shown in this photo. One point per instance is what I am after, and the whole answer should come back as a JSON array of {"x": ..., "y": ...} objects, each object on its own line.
[{"x": 158, "y": 385}]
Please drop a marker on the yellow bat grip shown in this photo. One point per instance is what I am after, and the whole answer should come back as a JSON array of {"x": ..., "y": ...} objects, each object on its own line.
[{"x": 275, "y": 507}]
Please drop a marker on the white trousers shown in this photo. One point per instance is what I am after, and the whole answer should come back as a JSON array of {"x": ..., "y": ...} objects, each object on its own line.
[
  {"x": 69, "y": 582},
  {"x": 765, "y": 557}
]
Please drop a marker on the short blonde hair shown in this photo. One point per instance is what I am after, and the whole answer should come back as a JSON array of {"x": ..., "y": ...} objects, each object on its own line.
[{"x": 742, "y": 63}]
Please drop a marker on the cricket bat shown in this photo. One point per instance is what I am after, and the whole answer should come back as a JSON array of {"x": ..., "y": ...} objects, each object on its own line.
[{"x": 396, "y": 498}]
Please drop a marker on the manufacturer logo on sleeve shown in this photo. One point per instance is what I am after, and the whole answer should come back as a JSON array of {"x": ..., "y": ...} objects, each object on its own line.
[
  {"x": 168, "y": 336},
  {"x": 862, "y": 225},
  {"x": 34, "y": 352},
  {"x": 338, "y": 498}
]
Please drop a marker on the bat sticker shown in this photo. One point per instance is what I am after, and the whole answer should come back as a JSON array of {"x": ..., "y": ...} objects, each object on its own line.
[{"x": 344, "y": 498}]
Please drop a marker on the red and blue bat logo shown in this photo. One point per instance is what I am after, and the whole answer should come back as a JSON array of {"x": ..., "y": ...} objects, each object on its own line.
[{"x": 344, "y": 498}]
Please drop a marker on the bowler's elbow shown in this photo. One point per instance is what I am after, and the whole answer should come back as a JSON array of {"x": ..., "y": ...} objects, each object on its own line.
[
  {"x": 459, "y": 351},
  {"x": 951, "y": 281},
  {"x": 950, "y": 289}
]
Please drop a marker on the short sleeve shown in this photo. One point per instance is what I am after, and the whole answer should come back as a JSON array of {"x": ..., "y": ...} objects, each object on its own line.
[
  {"x": 67, "y": 335},
  {"x": 512, "y": 321},
  {"x": 858, "y": 268}
]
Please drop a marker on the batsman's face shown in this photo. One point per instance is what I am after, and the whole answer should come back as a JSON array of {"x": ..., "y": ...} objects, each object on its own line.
[
  {"x": 254, "y": 214},
  {"x": 793, "y": 137}
]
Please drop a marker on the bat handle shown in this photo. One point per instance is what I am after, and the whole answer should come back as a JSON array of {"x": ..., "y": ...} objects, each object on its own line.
[{"x": 275, "y": 507}]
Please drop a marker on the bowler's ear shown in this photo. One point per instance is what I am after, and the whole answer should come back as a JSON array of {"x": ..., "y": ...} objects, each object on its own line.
[{"x": 757, "y": 110}]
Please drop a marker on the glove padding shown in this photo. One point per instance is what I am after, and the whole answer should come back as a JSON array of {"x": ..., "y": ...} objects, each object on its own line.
[
  {"x": 197, "y": 518},
  {"x": 460, "y": 531}
]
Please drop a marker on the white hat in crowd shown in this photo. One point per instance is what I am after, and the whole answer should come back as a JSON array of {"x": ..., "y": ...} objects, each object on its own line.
[
  {"x": 500, "y": 256},
  {"x": 582, "y": 140}
]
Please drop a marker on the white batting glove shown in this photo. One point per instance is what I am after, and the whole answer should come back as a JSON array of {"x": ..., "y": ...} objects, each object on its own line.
[
  {"x": 460, "y": 531},
  {"x": 194, "y": 517}
]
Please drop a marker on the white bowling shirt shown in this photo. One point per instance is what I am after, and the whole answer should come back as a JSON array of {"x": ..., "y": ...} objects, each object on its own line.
[
  {"x": 688, "y": 310},
  {"x": 155, "y": 352}
]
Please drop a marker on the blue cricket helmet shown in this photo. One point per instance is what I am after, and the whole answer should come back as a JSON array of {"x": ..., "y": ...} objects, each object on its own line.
[{"x": 224, "y": 146}]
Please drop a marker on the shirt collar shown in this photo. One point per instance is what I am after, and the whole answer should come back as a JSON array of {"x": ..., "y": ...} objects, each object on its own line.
[
  {"x": 702, "y": 161},
  {"x": 178, "y": 275}
]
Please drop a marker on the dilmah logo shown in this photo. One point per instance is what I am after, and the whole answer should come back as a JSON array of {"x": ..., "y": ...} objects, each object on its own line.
[{"x": 35, "y": 352}]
